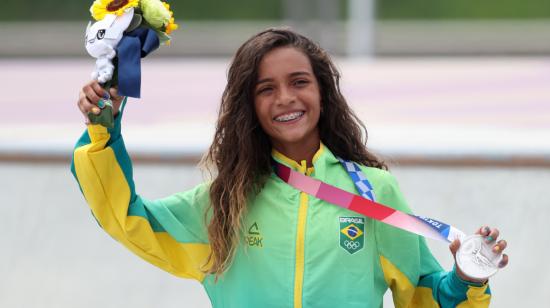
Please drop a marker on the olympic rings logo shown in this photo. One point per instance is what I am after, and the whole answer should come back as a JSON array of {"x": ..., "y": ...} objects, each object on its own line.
[{"x": 351, "y": 244}]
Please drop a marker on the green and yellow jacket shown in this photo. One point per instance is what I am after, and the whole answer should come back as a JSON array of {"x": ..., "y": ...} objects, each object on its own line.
[{"x": 295, "y": 250}]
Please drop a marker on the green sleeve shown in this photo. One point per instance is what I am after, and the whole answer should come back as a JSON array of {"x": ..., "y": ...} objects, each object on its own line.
[
  {"x": 168, "y": 233},
  {"x": 412, "y": 273},
  {"x": 448, "y": 290}
]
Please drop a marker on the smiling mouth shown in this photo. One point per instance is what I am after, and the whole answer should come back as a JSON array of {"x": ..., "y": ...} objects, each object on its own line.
[{"x": 289, "y": 116}]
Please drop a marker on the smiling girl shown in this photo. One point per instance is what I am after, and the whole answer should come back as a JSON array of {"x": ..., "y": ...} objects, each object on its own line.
[{"x": 250, "y": 238}]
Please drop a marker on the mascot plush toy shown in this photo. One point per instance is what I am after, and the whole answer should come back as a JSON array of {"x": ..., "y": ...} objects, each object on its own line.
[
  {"x": 102, "y": 39},
  {"x": 124, "y": 32}
]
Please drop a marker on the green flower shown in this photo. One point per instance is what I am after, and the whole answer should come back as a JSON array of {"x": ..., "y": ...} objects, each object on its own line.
[{"x": 155, "y": 13}]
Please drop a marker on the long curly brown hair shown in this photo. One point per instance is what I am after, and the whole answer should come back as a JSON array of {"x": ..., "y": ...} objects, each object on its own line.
[{"x": 240, "y": 153}]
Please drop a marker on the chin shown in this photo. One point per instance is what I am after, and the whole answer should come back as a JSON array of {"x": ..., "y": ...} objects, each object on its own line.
[{"x": 293, "y": 138}]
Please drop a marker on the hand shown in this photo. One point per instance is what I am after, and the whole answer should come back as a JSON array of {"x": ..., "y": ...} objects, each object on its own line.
[
  {"x": 90, "y": 95},
  {"x": 491, "y": 236}
]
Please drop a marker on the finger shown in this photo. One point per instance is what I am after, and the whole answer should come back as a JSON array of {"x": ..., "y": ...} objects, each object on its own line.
[
  {"x": 99, "y": 91},
  {"x": 454, "y": 246},
  {"x": 81, "y": 97},
  {"x": 86, "y": 106},
  {"x": 83, "y": 111},
  {"x": 116, "y": 99},
  {"x": 500, "y": 246},
  {"x": 86, "y": 120},
  {"x": 114, "y": 93},
  {"x": 504, "y": 261},
  {"x": 493, "y": 235},
  {"x": 485, "y": 230},
  {"x": 91, "y": 95}
]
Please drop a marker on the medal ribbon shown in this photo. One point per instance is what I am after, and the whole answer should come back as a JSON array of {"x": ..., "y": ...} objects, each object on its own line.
[{"x": 420, "y": 225}]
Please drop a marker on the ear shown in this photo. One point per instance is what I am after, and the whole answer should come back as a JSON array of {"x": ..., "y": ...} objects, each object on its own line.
[
  {"x": 120, "y": 24},
  {"x": 88, "y": 27},
  {"x": 108, "y": 20},
  {"x": 127, "y": 17}
]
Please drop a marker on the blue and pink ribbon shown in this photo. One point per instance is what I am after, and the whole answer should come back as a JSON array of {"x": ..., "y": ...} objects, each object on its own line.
[{"x": 420, "y": 225}]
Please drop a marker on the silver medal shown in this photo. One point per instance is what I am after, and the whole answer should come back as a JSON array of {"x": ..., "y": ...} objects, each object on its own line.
[{"x": 476, "y": 258}]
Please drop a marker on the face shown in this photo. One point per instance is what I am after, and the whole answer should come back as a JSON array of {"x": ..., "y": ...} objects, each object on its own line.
[{"x": 287, "y": 98}]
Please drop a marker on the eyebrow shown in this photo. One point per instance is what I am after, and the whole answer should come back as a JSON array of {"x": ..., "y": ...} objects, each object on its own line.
[{"x": 299, "y": 73}]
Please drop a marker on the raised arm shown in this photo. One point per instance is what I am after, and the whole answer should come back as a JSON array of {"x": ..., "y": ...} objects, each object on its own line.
[{"x": 169, "y": 232}]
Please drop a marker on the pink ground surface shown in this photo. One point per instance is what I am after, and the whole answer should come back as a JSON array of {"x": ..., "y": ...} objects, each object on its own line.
[
  {"x": 466, "y": 102},
  {"x": 500, "y": 92}
]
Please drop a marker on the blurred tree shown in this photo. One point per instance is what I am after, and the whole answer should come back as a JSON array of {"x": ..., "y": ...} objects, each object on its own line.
[
  {"x": 43, "y": 10},
  {"x": 235, "y": 9},
  {"x": 463, "y": 9},
  {"x": 25, "y": 10},
  {"x": 183, "y": 9}
]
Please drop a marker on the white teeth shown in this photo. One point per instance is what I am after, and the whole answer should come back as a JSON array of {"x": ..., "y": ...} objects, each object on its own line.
[{"x": 289, "y": 116}]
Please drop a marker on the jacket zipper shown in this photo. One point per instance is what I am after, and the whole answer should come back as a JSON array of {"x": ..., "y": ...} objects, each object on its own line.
[{"x": 300, "y": 241}]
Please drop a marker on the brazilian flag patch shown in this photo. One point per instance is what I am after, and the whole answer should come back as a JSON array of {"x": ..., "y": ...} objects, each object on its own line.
[{"x": 352, "y": 230}]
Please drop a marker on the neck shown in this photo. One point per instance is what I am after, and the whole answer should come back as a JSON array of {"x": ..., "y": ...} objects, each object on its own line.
[{"x": 299, "y": 152}]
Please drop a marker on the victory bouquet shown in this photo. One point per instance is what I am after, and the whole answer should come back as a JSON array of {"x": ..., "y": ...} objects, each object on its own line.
[{"x": 124, "y": 31}]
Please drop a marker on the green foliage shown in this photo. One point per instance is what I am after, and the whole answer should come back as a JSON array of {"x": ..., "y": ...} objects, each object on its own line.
[
  {"x": 44, "y": 10},
  {"x": 183, "y": 9},
  {"x": 273, "y": 9},
  {"x": 463, "y": 9},
  {"x": 223, "y": 9}
]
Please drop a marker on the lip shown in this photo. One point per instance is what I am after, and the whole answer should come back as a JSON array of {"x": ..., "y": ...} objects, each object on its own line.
[{"x": 289, "y": 112}]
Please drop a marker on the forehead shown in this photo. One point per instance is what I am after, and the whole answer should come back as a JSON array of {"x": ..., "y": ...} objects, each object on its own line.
[{"x": 283, "y": 61}]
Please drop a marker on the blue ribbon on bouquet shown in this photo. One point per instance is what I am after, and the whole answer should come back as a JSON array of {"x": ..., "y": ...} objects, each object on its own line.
[{"x": 133, "y": 46}]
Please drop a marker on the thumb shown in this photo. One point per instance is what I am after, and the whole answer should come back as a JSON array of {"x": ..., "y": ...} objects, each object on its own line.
[
  {"x": 114, "y": 93},
  {"x": 454, "y": 246},
  {"x": 116, "y": 99}
]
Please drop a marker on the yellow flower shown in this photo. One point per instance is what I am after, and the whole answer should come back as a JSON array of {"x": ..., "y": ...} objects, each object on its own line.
[
  {"x": 171, "y": 25},
  {"x": 100, "y": 8}
]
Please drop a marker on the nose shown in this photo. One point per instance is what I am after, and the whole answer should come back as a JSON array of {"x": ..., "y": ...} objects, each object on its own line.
[{"x": 285, "y": 96}]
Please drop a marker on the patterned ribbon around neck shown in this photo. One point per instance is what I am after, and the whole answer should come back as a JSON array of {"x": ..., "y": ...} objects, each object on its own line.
[{"x": 365, "y": 204}]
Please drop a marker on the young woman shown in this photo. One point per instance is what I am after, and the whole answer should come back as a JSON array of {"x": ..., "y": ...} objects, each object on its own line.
[{"x": 250, "y": 238}]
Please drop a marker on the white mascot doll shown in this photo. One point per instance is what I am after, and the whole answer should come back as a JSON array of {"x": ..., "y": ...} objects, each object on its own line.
[{"x": 101, "y": 40}]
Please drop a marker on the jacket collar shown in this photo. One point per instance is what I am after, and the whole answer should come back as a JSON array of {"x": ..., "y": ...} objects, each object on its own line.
[{"x": 321, "y": 159}]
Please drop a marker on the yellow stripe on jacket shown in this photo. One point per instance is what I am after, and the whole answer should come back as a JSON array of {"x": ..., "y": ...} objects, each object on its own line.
[{"x": 108, "y": 194}]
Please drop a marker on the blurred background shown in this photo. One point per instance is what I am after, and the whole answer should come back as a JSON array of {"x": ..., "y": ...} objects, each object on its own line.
[{"x": 455, "y": 95}]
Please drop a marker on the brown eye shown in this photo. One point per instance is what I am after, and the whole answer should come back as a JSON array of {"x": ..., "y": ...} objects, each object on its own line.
[
  {"x": 301, "y": 82},
  {"x": 264, "y": 90}
]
